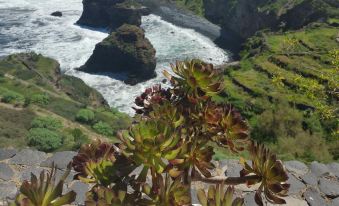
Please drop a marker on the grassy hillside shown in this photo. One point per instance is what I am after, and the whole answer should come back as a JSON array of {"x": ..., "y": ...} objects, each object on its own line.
[
  {"x": 287, "y": 86},
  {"x": 36, "y": 99}
]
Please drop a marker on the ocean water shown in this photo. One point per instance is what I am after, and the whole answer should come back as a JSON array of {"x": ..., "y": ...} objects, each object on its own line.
[{"x": 26, "y": 25}]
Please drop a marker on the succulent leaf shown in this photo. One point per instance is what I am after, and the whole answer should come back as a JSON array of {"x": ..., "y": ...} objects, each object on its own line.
[
  {"x": 216, "y": 196},
  {"x": 227, "y": 125},
  {"x": 272, "y": 173},
  {"x": 44, "y": 191},
  {"x": 151, "y": 97},
  {"x": 197, "y": 79},
  {"x": 152, "y": 142},
  {"x": 100, "y": 163}
]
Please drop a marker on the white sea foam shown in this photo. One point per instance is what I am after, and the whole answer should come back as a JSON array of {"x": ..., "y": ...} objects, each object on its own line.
[{"x": 26, "y": 25}]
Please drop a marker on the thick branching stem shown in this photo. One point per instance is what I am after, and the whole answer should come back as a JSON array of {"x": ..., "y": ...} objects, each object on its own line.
[{"x": 226, "y": 180}]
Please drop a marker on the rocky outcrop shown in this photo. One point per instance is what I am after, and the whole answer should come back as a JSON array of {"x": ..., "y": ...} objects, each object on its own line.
[
  {"x": 126, "y": 50},
  {"x": 17, "y": 166},
  {"x": 57, "y": 14},
  {"x": 111, "y": 13},
  {"x": 245, "y": 17}
]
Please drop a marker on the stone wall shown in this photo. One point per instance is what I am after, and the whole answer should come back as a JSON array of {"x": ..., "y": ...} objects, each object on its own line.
[{"x": 315, "y": 185}]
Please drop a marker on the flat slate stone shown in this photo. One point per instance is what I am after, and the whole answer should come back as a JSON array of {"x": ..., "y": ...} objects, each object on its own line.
[
  {"x": 296, "y": 185},
  {"x": 310, "y": 179},
  {"x": 233, "y": 167},
  {"x": 319, "y": 169},
  {"x": 334, "y": 168},
  {"x": 28, "y": 157},
  {"x": 249, "y": 199},
  {"x": 313, "y": 197},
  {"x": 60, "y": 159},
  {"x": 6, "y": 153},
  {"x": 329, "y": 187},
  {"x": 335, "y": 202},
  {"x": 8, "y": 190},
  {"x": 6, "y": 173},
  {"x": 296, "y": 167},
  {"x": 26, "y": 174},
  {"x": 60, "y": 173},
  {"x": 81, "y": 189}
]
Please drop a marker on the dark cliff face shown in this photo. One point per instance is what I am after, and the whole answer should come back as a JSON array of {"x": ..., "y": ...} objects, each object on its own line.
[
  {"x": 245, "y": 17},
  {"x": 111, "y": 13},
  {"x": 126, "y": 50}
]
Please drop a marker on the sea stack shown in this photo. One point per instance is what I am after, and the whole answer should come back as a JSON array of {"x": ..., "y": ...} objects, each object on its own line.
[{"x": 126, "y": 50}]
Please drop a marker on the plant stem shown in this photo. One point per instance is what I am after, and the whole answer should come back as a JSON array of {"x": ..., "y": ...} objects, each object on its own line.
[{"x": 226, "y": 180}]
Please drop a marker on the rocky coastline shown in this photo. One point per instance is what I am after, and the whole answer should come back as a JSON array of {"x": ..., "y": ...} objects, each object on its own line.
[{"x": 315, "y": 184}]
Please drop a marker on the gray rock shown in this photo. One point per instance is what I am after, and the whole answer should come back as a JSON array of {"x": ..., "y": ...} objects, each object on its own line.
[
  {"x": 329, "y": 187},
  {"x": 6, "y": 153},
  {"x": 232, "y": 167},
  {"x": 313, "y": 197},
  {"x": 296, "y": 167},
  {"x": 334, "y": 168},
  {"x": 296, "y": 185},
  {"x": 335, "y": 202},
  {"x": 319, "y": 169},
  {"x": 249, "y": 199},
  {"x": 28, "y": 157},
  {"x": 81, "y": 189},
  {"x": 310, "y": 179},
  {"x": 60, "y": 159},
  {"x": 194, "y": 196},
  {"x": 27, "y": 173},
  {"x": 60, "y": 173},
  {"x": 8, "y": 190},
  {"x": 6, "y": 173}
]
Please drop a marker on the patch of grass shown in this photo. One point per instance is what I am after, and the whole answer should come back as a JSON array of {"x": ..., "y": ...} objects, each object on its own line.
[{"x": 14, "y": 126}]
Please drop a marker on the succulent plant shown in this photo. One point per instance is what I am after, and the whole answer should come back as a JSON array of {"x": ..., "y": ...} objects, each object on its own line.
[
  {"x": 152, "y": 96},
  {"x": 196, "y": 78},
  {"x": 100, "y": 163},
  {"x": 150, "y": 142},
  {"x": 164, "y": 191},
  {"x": 103, "y": 196},
  {"x": 271, "y": 172},
  {"x": 44, "y": 191},
  {"x": 196, "y": 156},
  {"x": 216, "y": 196},
  {"x": 228, "y": 126}
]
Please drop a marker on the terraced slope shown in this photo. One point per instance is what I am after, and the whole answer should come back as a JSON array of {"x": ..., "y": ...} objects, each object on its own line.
[{"x": 298, "y": 69}]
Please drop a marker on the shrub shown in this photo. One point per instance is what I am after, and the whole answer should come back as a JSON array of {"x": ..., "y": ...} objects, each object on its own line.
[
  {"x": 304, "y": 146},
  {"x": 44, "y": 139},
  {"x": 85, "y": 116},
  {"x": 103, "y": 128},
  {"x": 41, "y": 99},
  {"x": 12, "y": 97},
  {"x": 79, "y": 138},
  {"x": 47, "y": 123}
]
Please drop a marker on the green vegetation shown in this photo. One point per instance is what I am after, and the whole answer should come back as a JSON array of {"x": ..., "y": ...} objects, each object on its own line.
[
  {"x": 42, "y": 99},
  {"x": 285, "y": 85},
  {"x": 103, "y": 128},
  {"x": 44, "y": 139},
  {"x": 85, "y": 116},
  {"x": 47, "y": 123},
  {"x": 35, "y": 95},
  {"x": 12, "y": 97},
  {"x": 196, "y": 6}
]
